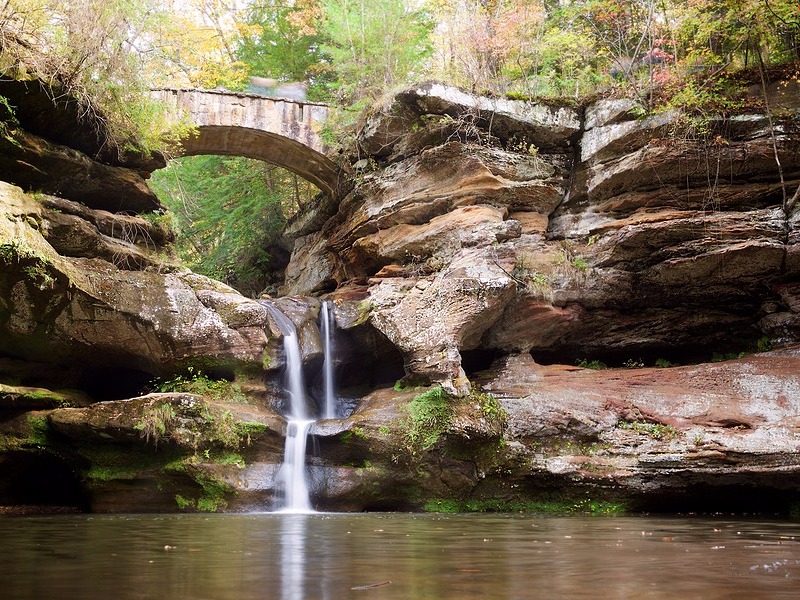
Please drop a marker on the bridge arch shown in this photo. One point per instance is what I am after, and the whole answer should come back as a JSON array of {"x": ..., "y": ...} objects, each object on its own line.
[{"x": 280, "y": 131}]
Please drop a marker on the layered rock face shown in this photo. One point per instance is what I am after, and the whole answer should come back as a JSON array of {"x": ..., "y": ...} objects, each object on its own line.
[
  {"x": 51, "y": 145},
  {"x": 563, "y": 233},
  {"x": 487, "y": 246},
  {"x": 487, "y": 239}
]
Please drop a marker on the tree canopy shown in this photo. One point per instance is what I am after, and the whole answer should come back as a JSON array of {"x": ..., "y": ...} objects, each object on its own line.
[{"x": 109, "y": 52}]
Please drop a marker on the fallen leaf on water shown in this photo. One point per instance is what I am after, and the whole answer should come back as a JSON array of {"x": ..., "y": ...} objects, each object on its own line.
[{"x": 371, "y": 586}]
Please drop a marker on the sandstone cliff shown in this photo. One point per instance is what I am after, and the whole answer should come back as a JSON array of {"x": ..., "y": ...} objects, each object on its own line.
[
  {"x": 563, "y": 233},
  {"x": 488, "y": 246}
]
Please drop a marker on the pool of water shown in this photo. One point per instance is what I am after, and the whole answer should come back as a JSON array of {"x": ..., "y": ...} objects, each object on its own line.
[{"x": 408, "y": 556}]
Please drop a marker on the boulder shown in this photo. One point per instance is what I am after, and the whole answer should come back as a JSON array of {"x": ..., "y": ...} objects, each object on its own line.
[
  {"x": 14, "y": 397},
  {"x": 433, "y": 319}
]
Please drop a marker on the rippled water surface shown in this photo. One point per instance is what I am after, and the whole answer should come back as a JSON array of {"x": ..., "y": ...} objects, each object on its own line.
[{"x": 333, "y": 556}]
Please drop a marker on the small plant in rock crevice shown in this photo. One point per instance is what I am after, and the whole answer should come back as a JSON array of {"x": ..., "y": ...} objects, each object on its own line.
[
  {"x": 580, "y": 263},
  {"x": 197, "y": 382},
  {"x": 535, "y": 282},
  {"x": 155, "y": 421},
  {"x": 763, "y": 344},
  {"x": 663, "y": 363},
  {"x": 36, "y": 267},
  {"x": 594, "y": 364},
  {"x": 489, "y": 406},
  {"x": 657, "y": 431}
]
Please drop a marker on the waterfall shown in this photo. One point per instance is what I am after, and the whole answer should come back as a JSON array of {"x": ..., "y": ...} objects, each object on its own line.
[
  {"x": 293, "y": 494},
  {"x": 292, "y": 475},
  {"x": 327, "y": 327}
]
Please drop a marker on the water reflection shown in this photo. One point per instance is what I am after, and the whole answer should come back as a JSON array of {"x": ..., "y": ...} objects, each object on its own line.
[
  {"x": 320, "y": 556},
  {"x": 293, "y": 557}
]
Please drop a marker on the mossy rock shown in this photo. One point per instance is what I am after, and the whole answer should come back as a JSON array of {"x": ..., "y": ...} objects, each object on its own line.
[{"x": 32, "y": 398}]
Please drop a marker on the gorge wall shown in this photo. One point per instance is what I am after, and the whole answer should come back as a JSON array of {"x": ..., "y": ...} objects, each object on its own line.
[{"x": 488, "y": 246}]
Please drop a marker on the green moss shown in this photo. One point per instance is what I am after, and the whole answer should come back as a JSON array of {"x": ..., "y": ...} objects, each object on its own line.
[
  {"x": 10, "y": 442},
  {"x": 176, "y": 466},
  {"x": 430, "y": 414},
  {"x": 39, "y": 428},
  {"x": 561, "y": 446},
  {"x": 35, "y": 266},
  {"x": 108, "y": 463},
  {"x": 35, "y": 437},
  {"x": 541, "y": 507},
  {"x": 215, "y": 491},
  {"x": 53, "y": 398},
  {"x": 109, "y": 473},
  {"x": 247, "y": 428},
  {"x": 229, "y": 458},
  {"x": 210, "y": 504},
  {"x": 198, "y": 424},
  {"x": 364, "y": 311},
  {"x": 184, "y": 503},
  {"x": 221, "y": 428},
  {"x": 155, "y": 422}
]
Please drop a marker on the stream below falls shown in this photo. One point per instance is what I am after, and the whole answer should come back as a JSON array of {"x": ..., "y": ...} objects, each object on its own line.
[{"x": 395, "y": 556}]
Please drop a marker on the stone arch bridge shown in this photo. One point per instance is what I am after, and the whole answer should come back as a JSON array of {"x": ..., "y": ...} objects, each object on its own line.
[{"x": 280, "y": 131}]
